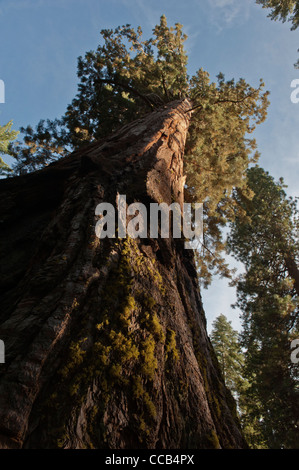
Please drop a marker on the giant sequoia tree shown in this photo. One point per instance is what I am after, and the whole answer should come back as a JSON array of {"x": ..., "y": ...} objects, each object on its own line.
[
  {"x": 106, "y": 342},
  {"x": 127, "y": 77}
]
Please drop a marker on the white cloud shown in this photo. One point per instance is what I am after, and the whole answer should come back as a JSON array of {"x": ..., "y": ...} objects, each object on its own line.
[{"x": 224, "y": 13}]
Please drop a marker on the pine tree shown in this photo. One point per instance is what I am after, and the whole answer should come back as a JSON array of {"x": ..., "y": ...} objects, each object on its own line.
[{"x": 266, "y": 241}]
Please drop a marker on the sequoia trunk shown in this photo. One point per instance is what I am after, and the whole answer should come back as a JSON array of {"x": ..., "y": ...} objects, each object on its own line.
[{"x": 105, "y": 340}]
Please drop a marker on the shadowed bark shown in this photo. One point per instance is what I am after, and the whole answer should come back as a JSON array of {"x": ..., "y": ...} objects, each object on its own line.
[{"x": 106, "y": 342}]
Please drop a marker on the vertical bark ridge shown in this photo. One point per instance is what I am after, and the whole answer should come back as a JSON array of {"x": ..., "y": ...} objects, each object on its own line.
[{"x": 106, "y": 342}]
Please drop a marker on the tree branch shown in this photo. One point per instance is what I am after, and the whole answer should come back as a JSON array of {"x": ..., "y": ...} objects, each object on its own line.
[{"x": 128, "y": 88}]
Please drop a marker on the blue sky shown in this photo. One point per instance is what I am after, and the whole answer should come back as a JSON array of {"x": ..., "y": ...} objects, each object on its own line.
[{"x": 40, "y": 41}]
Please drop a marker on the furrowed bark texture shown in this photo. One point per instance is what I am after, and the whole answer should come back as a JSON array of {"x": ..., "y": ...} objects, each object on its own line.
[{"x": 105, "y": 340}]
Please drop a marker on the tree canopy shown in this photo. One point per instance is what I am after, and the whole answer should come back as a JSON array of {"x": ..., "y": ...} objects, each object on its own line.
[
  {"x": 283, "y": 10},
  {"x": 128, "y": 76}
]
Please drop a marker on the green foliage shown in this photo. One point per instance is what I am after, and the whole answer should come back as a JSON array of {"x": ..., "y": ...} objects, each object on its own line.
[
  {"x": 125, "y": 78},
  {"x": 42, "y": 146},
  {"x": 225, "y": 341},
  {"x": 218, "y": 152},
  {"x": 6, "y": 137},
  {"x": 227, "y": 345},
  {"x": 266, "y": 241},
  {"x": 283, "y": 10}
]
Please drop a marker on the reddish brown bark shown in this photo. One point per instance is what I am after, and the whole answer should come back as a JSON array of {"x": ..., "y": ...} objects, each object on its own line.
[{"x": 106, "y": 342}]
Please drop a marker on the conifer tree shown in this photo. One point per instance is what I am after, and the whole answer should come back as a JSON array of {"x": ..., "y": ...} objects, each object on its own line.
[
  {"x": 127, "y": 77},
  {"x": 105, "y": 339},
  {"x": 225, "y": 341},
  {"x": 266, "y": 241},
  {"x": 227, "y": 345}
]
